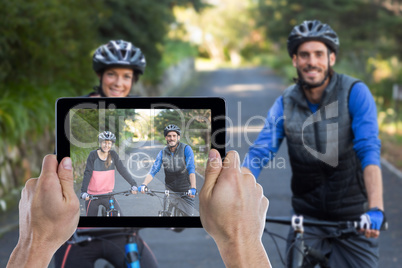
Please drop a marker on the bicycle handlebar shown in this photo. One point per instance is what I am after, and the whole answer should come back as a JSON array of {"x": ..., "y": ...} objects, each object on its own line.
[
  {"x": 166, "y": 192},
  {"x": 96, "y": 196},
  {"x": 309, "y": 222}
]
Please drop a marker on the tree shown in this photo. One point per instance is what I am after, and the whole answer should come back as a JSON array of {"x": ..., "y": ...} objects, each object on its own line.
[
  {"x": 194, "y": 124},
  {"x": 365, "y": 28}
]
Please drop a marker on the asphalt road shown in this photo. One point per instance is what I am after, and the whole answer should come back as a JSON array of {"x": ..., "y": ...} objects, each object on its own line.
[{"x": 248, "y": 93}]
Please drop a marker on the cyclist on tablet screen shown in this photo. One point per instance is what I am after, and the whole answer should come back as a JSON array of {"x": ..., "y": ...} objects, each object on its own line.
[
  {"x": 99, "y": 174},
  {"x": 177, "y": 159}
]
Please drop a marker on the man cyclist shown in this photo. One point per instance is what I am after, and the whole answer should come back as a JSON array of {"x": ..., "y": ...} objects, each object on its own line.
[
  {"x": 177, "y": 159},
  {"x": 118, "y": 65},
  {"x": 330, "y": 124}
]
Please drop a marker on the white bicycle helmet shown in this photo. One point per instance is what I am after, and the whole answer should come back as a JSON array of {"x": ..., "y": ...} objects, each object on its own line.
[
  {"x": 118, "y": 53},
  {"x": 107, "y": 136}
]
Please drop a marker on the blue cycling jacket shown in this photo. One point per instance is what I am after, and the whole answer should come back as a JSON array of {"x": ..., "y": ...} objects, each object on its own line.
[
  {"x": 189, "y": 158},
  {"x": 362, "y": 110}
]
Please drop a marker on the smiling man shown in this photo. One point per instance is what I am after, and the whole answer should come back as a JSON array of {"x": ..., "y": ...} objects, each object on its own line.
[
  {"x": 330, "y": 124},
  {"x": 177, "y": 159}
]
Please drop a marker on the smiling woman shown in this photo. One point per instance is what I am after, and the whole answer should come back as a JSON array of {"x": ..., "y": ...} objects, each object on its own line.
[
  {"x": 117, "y": 82},
  {"x": 118, "y": 65},
  {"x": 99, "y": 175}
]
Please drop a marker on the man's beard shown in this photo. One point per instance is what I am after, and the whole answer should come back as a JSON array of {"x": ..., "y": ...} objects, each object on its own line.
[
  {"x": 306, "y": 85},
  {"x": 172, "y": 146}
]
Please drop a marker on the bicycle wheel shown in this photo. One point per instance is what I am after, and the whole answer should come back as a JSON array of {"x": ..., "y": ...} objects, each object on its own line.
[
  {"x": 163, "y": 213},
  {"x": 178, "y": 212}
]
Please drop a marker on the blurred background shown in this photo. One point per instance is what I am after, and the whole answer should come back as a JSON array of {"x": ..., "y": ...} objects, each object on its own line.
[{"x": 192, "y": 47}]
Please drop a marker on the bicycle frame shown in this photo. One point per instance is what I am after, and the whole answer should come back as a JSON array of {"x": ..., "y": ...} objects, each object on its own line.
[
  {"x": 131, "y": 254},
  {"x": 299, "y": 251},
  {"x": 110, "y": 211},
  {"x": 169, "y": 209}
]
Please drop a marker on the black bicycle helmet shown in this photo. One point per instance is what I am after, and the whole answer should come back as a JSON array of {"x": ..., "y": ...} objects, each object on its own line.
[
  {"x": 312, "y": 30},
  {"x": 107, "y": 136},
  {"x": 118, "y": 53},
  {"x": 171, "y": 128}
]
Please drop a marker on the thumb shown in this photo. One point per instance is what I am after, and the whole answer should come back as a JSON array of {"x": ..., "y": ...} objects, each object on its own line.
[
  {"x": 65, "y": 173},
  {"x": 214, "y": 167}
]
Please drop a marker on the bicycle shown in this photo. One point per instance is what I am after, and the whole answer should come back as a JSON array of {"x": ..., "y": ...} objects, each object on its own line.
[
  {"x": 170, "y": 207},
  {"x": 131, "y": 254},
  {"x": 300, "y": 254},
  {"x": 111, "y": 211}
]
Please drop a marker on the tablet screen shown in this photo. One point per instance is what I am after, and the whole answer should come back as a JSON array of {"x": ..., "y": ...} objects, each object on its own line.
[{"x": 117, "y": 145}]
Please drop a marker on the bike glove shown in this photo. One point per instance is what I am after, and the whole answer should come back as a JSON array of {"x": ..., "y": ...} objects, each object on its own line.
[
  {"x": 143, "y": 188},
  {"x": 372, "y": 219},
  {"x": 134, "y": 188},
  {"x": 84, "y": 195},
  {"x": 192, "y": 191}
]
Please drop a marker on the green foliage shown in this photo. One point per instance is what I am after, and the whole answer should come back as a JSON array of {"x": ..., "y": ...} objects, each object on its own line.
[
  {"x": 44, "y": 55},
  {"x": 195, "y": 125},
  {"x": 86, "y": 124},
  {"x": 25, "y": 112},
  {"x": 365, "y": 28},
  {"x": 175, "y": 51},
  {"x": 46, "y": 42},
  {"x": 46, "y": 50}
]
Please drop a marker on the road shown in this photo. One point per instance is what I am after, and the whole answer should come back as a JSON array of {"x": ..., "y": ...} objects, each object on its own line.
[{"x": 248, "y": 94}]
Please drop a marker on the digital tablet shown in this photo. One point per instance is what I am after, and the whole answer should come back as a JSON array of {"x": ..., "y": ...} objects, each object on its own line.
[{"x": 117, "y": 143}]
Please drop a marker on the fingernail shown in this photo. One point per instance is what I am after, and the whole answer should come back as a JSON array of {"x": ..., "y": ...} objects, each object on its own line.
[
  {"x": 211, "y": 154},
  {"x": 67, "y": 163}
]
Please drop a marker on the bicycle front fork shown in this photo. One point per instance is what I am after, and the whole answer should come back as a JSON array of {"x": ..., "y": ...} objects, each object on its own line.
[{"x": 132, "y": 255}]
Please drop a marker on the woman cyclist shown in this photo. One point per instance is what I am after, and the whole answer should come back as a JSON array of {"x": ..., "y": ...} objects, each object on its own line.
[
  {"x": 99, "y": 175},
  {"x": 118, "y": 65}
]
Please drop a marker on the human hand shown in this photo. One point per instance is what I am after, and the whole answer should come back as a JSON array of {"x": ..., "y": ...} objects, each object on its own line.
[
  {"x": 134, "y": 189},
  {"x": 85, "y": 196},
  {"x": 233, "y": 211},
  {"x": 371, "y": 222},
  {"x": 47, "y": 203},
  {"x": 143, "y": 188},
  {"x": 192, "y": 192}
]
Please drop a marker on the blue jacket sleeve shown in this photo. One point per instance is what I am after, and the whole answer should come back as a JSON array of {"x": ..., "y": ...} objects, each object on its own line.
[
  {"x": 269, "y": 140},
  {"x": 189, "y": 155},
  {"x": 157, "y": 165},
  {"x": 363, "y": 112}
]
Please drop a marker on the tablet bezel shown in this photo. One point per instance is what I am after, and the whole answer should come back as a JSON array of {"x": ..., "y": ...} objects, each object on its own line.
[{"x": 218, "y": 133}]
